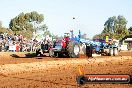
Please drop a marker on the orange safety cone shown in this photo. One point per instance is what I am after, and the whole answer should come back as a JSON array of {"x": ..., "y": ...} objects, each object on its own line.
[{"x": 80, "y": 70}]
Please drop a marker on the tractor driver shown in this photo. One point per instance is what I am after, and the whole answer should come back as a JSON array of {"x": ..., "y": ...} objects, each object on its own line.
[
  {"x": 65, "y": 41},
  {"x": 66, "y": 37}
]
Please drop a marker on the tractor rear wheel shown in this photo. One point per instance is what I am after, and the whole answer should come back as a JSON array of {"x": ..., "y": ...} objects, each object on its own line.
[{"x": 73, "y": 49}]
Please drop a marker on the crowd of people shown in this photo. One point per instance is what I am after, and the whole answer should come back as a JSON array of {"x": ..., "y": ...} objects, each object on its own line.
[{"x": 17, "y": 43}]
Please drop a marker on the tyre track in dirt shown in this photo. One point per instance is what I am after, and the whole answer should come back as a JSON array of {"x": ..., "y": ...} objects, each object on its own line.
[
  {"x": 36, "y": 66},
  {"x": 62, "y": 73}
]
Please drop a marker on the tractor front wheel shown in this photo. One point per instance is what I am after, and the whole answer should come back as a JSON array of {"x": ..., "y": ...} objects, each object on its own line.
[
  {"x": 51, "y": 53},
  {"x": 115, "y": 51},
  {"x": 110, "y": 52}
]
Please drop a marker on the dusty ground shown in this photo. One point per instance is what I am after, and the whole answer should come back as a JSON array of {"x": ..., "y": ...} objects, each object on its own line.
[{"x": 18, "y": 71}]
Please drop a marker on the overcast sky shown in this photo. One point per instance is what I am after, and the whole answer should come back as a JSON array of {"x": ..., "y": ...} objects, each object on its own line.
[{"x": 90, "y": 15}]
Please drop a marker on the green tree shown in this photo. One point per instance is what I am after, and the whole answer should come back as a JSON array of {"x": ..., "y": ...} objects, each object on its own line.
[
  {"x": 109, "y": 26},
  {"x": 130, "y": 31},
  {"x": 44, "y": 29},
  {"x": 27, "y": 22},
  {"x": 116, "y": 27},
  {"x": 121, "y": 25}
]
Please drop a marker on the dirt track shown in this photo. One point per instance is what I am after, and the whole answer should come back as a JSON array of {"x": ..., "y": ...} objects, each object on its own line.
[{"x": 45, "y": 72}]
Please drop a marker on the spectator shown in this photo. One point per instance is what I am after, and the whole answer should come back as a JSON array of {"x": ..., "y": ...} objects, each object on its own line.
[
  {"x": 6, "y": 45},
  {"x": 17, "y": 47},
  {"x": 0, "y": 47}
]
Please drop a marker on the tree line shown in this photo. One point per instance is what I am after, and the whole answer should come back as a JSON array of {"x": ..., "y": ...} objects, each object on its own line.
[
  {"x": 115, "y": 27},
  {"x": 27, "y": 23}
]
